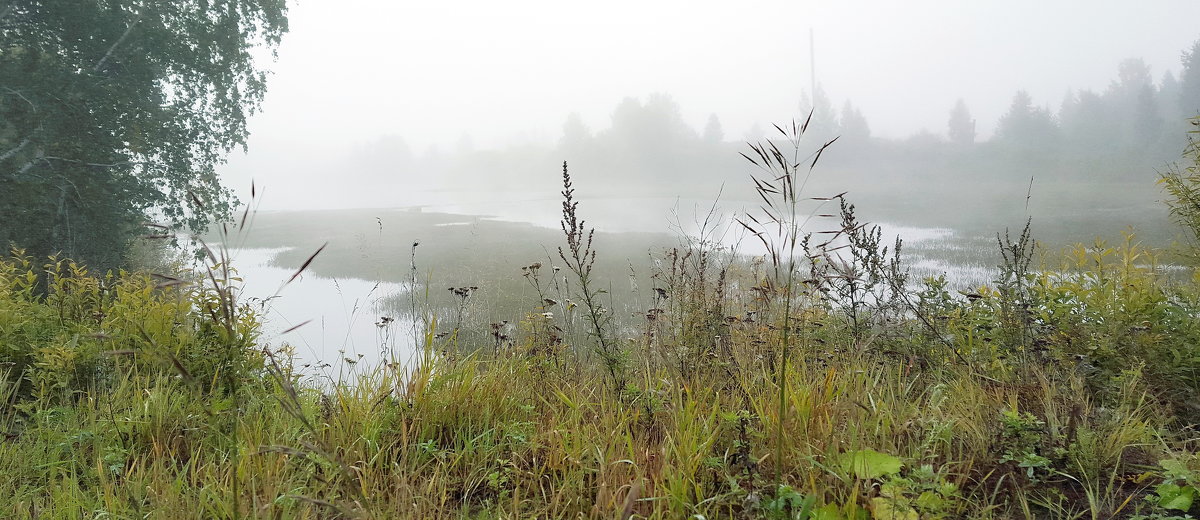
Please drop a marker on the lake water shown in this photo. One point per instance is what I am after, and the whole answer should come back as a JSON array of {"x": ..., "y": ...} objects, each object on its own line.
[
  {"x": 350, "y": 295},
  {"x": 928, "y": 251},
  {"x": 347, "y": 329}
]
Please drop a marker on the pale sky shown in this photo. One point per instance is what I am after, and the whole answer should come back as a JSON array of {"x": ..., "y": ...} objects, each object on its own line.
[{"x": 510, "y": 72}]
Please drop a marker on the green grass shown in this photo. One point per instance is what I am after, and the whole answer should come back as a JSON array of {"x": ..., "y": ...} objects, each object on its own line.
[
  {"x": 129, "y": 397},
  {"x": 827, "y": 387}
]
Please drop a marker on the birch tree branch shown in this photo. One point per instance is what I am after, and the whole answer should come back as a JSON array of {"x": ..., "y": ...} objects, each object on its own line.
[
  {"x": 14, "y": 151},
  {"x": 18, "y": 93},
  {"x": 116, "y": 44}
]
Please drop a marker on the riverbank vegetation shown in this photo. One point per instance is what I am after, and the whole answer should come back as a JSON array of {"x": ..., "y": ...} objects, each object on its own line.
[{"x": 817, "y": 382}]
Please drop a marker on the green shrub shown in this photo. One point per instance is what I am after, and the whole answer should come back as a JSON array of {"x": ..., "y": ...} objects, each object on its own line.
[
  {"x": 64, "y": 330},
  {"x": 1182, "y": 184},
  {"x": 1104, "y": 310}
]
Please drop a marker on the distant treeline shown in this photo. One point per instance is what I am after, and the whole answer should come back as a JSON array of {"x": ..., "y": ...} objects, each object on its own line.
[{"x": 1122, "y": 134}]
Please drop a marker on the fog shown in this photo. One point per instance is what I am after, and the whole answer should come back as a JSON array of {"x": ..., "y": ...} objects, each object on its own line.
[
  {"x": 448, "y": 124},
  {"x": 363, "y": 83},
  {"x": 389, "y": 124},
  {"x": 549, "y": 259}
]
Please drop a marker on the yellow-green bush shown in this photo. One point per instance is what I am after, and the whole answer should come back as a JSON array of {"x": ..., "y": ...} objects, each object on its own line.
[
  {"x": 1104, "y": 310},
  {"x": 64, "y": 330}
]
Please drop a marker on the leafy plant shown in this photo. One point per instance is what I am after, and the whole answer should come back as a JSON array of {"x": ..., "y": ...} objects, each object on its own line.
[
  {"x": 864, "y": 279},
  {"x": 1182, "y": 184},
  {"x": 1021, "y": 442},
  {"x": 789, "y": 504},
  {"x": 1177, "y": 493},
  {"x": 868, "y": 464}
]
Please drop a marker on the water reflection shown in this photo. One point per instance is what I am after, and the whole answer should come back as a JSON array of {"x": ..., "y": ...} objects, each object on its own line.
[{"x": 347, "y": 330}]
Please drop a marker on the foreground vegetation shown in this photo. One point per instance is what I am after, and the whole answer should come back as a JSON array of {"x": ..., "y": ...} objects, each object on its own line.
[
  {"x": 126, "y": 398},
  {"x": 817, "y": 382}
]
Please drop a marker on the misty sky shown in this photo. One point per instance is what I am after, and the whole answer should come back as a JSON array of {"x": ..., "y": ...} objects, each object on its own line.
[{"x": 506, "y": 73}]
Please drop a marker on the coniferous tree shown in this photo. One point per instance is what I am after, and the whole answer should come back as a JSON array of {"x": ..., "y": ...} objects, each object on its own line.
[
  {"x": 961, "y": 127},
  {"x": 575, "y": 133},
  {"x": 854, "y": 126},
  {"x": 1189, "y": 83},
  {"x": 1131, "y": 105},
  {"x": 824, "y": 123},
  {"x": 648, "y": 128},
  {"x": 1027, "y": 130},
  {"x": 1168, "y": 99},
  {"x": 1087, "y": 125},
  {"x": 712, "y": 130},
  {"x": 1147, "y": 127},
  {"x": 1174, "y": 125}
]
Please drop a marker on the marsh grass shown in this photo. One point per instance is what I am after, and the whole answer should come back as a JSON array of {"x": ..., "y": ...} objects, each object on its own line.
[
  {"x": 792, "y": 386},
  {"x": 507, "y": 437}
]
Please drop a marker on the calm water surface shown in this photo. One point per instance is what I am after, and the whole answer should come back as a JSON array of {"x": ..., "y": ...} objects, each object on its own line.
[
  {"x": 346, "y": 329},
  {"x": 350, "y": 328}
]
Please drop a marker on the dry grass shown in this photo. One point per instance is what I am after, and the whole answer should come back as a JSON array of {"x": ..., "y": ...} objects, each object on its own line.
[{"x": 750, "y": 388}]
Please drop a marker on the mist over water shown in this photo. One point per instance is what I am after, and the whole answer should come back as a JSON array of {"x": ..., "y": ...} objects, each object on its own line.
[
  {"x": 546, "y": 259},
  {"x": 950, "y": 125}
]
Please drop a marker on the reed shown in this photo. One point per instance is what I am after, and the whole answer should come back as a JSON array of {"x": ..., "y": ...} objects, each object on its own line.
[{"x": 790, "y": 386}]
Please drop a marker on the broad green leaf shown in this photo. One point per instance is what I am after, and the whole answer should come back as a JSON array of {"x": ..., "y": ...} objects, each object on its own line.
[
  {"x": 1179, "y": 498},
  {"x": 930, "y": 500},
  {"x": 889, "y": 509},
  {"x": 892, "y": 490},
  {"x": 870, "y": 464},
  {"x": 828, "y": 512},
  {"x": 1175, "y": 469}
]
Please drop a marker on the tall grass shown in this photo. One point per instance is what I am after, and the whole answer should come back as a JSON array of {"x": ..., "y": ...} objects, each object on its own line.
[
  {"x": 791, "y": 386},
  {"x": 782, "y": 231}
]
